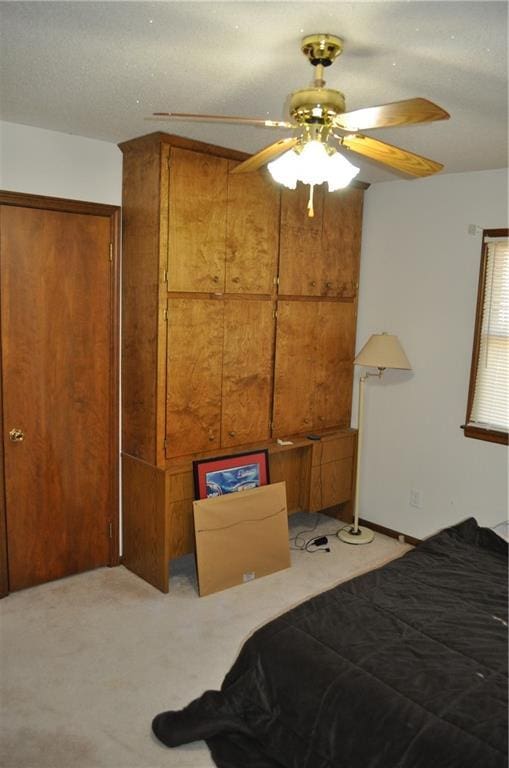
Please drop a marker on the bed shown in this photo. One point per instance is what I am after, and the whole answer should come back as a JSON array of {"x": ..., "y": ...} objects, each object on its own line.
[{"x": 402, "y": 667}]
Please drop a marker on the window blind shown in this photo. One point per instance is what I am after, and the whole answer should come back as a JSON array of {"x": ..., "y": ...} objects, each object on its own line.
[{"x": 490, "y": 407}]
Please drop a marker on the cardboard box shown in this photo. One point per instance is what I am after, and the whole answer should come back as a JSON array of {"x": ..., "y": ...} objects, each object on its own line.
[{"x": 240, "y": 537}]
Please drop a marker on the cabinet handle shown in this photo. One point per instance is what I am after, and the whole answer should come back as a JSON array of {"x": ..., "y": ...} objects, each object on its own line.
[
  {"x": 232, "y": 433},
  {"x": 312, "y": 283},
  {"x": 211, "y": 437},
  {"x": 235, "y": 279},
  {"x": 306, "y": 421},
  {"x": 329, "y": 285},
  {"x": 216, "y": 278}
]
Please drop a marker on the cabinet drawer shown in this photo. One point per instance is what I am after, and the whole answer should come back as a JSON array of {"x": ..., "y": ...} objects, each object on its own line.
[
  {"x": 333, "y": 449},
  {"x": 339, "y": 448}
]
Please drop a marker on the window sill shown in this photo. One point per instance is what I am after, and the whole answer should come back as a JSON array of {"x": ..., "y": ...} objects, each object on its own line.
[{"x": 490, "y": 435}]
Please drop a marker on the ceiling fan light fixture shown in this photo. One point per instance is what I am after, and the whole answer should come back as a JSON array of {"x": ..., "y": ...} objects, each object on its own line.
[{"x": 315, "y": 163}]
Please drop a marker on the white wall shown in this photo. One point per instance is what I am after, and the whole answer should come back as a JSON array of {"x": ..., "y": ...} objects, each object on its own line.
[
  {"x": 419, "y": 274},
  {"x": 41, "y": 162}
]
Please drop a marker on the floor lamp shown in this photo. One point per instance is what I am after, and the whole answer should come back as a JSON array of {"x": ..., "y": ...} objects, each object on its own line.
[{"x": 382, "y": 350}]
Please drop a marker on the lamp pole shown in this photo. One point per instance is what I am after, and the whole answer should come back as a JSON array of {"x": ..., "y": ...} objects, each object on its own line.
[
  {"x": 381, "y": 351},
  {"x": 355, "y": 534}
]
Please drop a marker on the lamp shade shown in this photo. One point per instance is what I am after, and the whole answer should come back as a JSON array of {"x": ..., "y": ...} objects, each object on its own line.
[{"x": 383, "y": 350}]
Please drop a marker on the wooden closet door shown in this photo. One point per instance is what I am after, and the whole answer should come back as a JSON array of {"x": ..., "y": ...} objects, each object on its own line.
[
  {"x": 195, "y": 359},
  {"x": 294, "y": 375},
  {"x": 247, "y": 371},
  {"x": 300, "y": 249},
  {"x": 197, "y": 221},
  {"x": 59, "y": 423},
  {"x": 333, "y": 370},
  {"x": 252, "y": 232},
  {"x": 341, "y": 242}
]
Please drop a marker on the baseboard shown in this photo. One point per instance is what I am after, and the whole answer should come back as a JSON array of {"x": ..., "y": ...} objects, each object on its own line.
[{"x": 390, "y": 532}]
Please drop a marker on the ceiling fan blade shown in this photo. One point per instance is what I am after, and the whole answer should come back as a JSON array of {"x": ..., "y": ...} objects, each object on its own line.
[
  {"x": 264, "y": 155},
  {"x": 387, "y": 115},
  {"x": 220, "y": 119},
  {"x": 401, "y": 159}
]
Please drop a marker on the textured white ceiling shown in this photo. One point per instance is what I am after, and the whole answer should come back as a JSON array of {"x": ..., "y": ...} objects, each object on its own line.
[{"x": 98, "y": 69}]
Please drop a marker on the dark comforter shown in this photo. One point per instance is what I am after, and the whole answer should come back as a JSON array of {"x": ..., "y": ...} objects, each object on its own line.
[{"x": 403, "y": 667}]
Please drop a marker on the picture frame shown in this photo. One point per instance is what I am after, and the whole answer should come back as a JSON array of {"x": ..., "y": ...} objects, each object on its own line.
[{"x": 230, "y": 474}]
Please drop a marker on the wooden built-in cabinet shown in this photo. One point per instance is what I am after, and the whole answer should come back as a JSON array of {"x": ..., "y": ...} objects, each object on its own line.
[{"x": 239, "y": 316}]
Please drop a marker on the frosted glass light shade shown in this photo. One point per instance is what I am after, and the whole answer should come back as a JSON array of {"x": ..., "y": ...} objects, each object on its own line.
[
  {"x": 313, "y": 165},
  {"x": 383, "y": 350}
]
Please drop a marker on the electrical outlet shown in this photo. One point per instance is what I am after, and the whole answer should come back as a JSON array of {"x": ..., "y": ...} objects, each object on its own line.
[{"x": 416, "y": 498}]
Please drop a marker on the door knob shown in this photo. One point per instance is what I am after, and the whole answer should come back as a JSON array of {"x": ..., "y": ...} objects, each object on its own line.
[{"x": 16, "y": 435}]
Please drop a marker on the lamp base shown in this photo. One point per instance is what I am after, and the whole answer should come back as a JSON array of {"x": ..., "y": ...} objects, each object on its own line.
[{"x": 360, "y": 536}]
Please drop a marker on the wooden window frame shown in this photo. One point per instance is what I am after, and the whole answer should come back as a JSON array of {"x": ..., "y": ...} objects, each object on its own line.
[{"x": 471, "y": 430}]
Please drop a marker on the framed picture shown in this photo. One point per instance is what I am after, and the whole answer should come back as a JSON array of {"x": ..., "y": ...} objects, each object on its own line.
[{"x": 229, "y": 474}]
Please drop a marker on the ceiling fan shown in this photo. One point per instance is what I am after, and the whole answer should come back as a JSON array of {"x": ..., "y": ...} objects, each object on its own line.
[{"x": 321, "y": 125}]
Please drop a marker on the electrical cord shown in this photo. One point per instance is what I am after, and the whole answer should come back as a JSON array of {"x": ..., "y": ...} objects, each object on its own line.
[{"x": 301, "y": 544}]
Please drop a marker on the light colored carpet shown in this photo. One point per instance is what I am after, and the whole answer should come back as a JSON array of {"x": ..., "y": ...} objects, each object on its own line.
[{"x": 89, "y": 660}]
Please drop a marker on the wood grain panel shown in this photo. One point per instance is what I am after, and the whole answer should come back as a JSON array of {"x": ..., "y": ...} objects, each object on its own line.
[
  {"x": 181, "y": 485},
  {"x": 341, "y": 242},
  {"x": 336, "y": 482},
  {"x": 197, "y": 224},
  {"x": 180, "y": 527},
  {"x": 195, "y": 352},
  {"x": 333, "y": 369},
  {"x": 296, "y": 339},
  {"x": 300, "y": 270},
  {"x": 247, "y": 371},
  {"x": 293, "y": 467},
  {"x": 145, "y": 546},
  {"x": 252, "y": 233},
  {"x": 140, "y": 299}
]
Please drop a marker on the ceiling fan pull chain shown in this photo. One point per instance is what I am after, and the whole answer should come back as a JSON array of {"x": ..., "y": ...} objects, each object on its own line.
[{"x": 311, "y": 210}]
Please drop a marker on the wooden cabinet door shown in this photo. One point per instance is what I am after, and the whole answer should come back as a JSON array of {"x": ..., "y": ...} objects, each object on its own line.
[
  {"x": 197, "y": 221},
  {"x": 252, "y": 233},
  {"x": 320, "y": 256},
  {"x": 247, "y": 371},
  {"x": 314, "y": 366},
  {"x": 333, "y": 369},
  {"x": 296, "y": 340},
  {"x": 300, "y": 270},
  {"x": 195, "y": 351},
  {"x": 341, "y": 242}
]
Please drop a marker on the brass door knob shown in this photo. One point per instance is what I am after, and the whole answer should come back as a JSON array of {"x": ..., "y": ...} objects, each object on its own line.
[{"x": 16, "y": 435}]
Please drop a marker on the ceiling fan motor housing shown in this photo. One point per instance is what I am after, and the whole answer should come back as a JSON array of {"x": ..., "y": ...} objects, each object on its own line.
[{"x": 310, "y": 105}]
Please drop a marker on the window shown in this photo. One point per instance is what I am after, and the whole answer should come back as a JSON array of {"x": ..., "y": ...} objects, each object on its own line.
[{"x": 488, "y": 396}]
